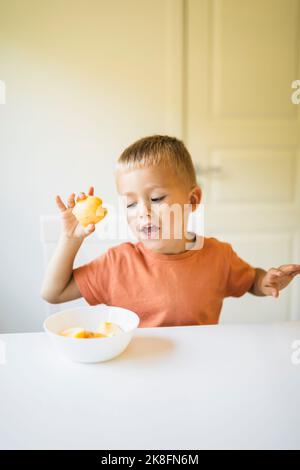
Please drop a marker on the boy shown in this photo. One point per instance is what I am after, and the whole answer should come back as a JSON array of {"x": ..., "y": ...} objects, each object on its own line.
[{"x": 168, "y": 277}]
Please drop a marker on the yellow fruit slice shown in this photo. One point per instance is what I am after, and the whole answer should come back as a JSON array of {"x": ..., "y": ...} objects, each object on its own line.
[
  {"x": 89, "y": 210},
  {"x": 81, "y": 333},
  {"x": 109, "y": 329},
  {"x": 93, "y": 334},
  {"x": 105, "y": 330},
  {"x": 74, "y": 333}
]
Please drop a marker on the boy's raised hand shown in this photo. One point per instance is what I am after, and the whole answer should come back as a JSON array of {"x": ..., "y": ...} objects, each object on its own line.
[
  {"x": 277, "y": 279},
  {"x": 71, "y": 228}
]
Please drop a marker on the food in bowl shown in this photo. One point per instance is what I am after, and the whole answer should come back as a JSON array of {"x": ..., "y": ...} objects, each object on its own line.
[
  {"x": 81, "y": 333},
  {"x": 90, "y": 318},
  {"x": 106, "y": 329},
  {"x": 109, "y": 328}
]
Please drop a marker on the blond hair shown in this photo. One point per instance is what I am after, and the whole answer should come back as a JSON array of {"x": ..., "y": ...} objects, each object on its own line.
[{"x": 159, "y": 150}]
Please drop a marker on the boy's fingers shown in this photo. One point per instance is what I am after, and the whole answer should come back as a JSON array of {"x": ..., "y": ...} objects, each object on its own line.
[
  {"x": 289, "y": 268},
  {"x": 89, "y": 229},
  {"x": 291, "y": 272},
  {"x": 275, "y": 272},
  {"x": 272, "y": 290},
  {"x": 71, "y": 200},
  {"x": 80, "y": 196},
  {"x": 275, "y": 293},
  {"x": 60, "y": 204},
  {"x": 271, "y": 285}
]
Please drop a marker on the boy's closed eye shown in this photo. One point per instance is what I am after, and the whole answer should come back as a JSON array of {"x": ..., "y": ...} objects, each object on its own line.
[{"x": 156, "y": 199}]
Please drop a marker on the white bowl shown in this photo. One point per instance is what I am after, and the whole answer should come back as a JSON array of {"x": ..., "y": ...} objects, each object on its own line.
[{"x": 91, "y": 349}]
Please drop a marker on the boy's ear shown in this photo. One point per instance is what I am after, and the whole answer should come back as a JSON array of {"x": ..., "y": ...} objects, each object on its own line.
[{"x": 195, "y": 197}]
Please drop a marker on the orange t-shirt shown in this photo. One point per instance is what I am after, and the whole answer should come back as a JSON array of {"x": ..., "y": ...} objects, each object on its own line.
[{"x": 187, "y": 288}]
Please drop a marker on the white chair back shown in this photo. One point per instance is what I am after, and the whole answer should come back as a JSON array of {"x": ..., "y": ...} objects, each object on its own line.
[{"x": 50, "y": 227}]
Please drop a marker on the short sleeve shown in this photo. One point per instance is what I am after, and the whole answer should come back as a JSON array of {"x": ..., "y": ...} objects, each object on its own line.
[
  {"x": 93, "y": 279},
  {"x": 241, "y": 275}
]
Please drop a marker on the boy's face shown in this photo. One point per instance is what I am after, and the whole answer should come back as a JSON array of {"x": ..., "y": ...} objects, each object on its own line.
[{"x": 156, "y": 196}]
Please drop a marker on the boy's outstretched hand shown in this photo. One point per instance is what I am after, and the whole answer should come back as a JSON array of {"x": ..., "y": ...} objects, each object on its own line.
[
  {"x": 277, "y": 279},
  {"x": 71, "y": 228}
]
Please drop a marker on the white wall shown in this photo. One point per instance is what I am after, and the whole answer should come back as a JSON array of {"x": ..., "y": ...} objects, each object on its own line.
[{"x": 84, "y": 79}]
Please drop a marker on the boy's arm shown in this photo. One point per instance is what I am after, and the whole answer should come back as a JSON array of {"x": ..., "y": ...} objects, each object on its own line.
[
  {"x": 59, "y": 284},
  {"x": 275, "y": 279},
  {"x": 256, "y": 286}
]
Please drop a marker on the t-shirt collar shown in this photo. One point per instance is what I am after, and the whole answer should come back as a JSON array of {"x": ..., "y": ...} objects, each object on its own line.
[{"x": 195, "y": 248}]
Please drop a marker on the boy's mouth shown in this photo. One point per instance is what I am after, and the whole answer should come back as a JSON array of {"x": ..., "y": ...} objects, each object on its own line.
[{"x": 149, "y": 230}]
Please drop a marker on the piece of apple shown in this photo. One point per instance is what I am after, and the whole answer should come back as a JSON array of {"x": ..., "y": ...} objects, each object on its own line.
[
  {"x": 74, "y": 333},
  {"x": 81, "y": 333},
  {"x": 89, "y": 210},
  {"x": 93, "y": 334},
  {"x": 109, "y": 329}
]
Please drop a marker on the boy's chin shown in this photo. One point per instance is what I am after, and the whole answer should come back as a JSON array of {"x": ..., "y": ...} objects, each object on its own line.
[
  {"x": 151, "y": 240},
  {"x": 155, "y": 239},
  {"x": 157, "y": 244}
]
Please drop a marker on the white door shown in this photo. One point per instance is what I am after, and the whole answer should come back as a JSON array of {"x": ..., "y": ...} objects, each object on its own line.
[{"x": 243, "y": 131}]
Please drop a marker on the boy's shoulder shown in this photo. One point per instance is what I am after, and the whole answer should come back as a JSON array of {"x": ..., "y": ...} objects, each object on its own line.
[
  {"x": 123, "y": 249},
  {"x": 214, "y": 242},
  {"x": 134, "y": 247},
  {"x": 130, "y": 249}
]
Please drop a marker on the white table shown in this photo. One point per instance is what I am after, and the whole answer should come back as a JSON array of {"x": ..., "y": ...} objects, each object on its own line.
[{"x": 224, "y": 386}]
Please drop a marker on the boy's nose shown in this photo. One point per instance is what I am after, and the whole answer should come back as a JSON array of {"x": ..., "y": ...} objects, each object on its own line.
[{"x": 144, "y": 209}]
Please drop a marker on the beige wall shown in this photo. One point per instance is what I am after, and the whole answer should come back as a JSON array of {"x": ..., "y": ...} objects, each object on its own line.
[{"x": 84, "y": 79}]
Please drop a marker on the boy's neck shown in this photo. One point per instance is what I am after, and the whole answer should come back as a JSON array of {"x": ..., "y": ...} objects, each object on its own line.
[{"x": 187, "y": 245}]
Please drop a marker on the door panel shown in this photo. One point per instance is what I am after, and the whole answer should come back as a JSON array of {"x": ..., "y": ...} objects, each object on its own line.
[{"x": 241, "y": 60}]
